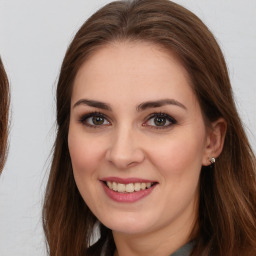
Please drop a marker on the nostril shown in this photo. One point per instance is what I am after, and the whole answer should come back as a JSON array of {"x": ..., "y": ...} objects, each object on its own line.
[{"x": 124, "y": 152}]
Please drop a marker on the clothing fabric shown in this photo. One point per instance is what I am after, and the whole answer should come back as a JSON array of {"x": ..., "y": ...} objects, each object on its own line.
[{"x": 185, "y": 250}]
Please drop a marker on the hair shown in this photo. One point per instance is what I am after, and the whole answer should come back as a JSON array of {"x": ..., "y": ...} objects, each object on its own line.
[
  {"x": 4, "y": 113},
  {"x": 226, "y": 223}
]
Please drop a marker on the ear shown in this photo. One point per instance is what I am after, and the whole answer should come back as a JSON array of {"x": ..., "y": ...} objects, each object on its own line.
[{"x": 214, "y": 140}]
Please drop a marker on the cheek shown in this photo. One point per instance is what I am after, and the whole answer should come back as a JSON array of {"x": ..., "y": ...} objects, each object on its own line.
[
  {"x": 85, "y": 152},
  {"x": 85, "y": 156},
  {"x": 179, "y": 155}
]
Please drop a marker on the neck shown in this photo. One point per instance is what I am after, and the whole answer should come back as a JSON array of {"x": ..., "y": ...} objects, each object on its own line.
[{"x": 158, "y": 243}]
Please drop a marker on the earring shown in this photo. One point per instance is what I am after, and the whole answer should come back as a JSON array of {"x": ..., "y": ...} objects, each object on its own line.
[{"x": 212, "y": 160}]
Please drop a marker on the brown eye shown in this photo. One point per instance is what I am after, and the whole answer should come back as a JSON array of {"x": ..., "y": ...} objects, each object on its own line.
[
  {"x": 159, "y": 121},
  {"x": 98, "y": 120},
  {"x": 94, "y": 120}
]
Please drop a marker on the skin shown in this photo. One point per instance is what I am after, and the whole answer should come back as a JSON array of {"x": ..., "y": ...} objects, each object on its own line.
[{"x": 128, "y": 144}]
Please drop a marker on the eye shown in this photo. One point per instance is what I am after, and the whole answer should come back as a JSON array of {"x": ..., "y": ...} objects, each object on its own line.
[
  {"x": 160, "y": 121},
  {"x": 94, "y": 120}
]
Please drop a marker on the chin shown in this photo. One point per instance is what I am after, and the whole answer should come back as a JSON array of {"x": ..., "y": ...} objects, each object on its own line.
[
  {"x": 127, "y": 224},
  {"x": 129, "y": 230}
]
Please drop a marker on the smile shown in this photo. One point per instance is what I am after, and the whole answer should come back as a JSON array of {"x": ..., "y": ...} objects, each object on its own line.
[{"x": 128, "y": 188}]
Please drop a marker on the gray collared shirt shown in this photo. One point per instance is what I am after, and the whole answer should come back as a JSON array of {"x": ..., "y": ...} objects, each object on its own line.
[{"x": 185, "y": 250}]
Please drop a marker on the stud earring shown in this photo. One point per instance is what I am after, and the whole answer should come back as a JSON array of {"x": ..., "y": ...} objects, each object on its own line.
[{"x": 212, "y": 160}]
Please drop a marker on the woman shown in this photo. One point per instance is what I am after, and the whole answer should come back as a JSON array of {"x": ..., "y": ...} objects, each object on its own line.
[
  {"x": 4, "y": 108},
  {"x": 150, "y": 151}
]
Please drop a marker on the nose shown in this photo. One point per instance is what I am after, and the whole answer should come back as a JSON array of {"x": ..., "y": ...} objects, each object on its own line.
[{"x": 125, "y": 150}]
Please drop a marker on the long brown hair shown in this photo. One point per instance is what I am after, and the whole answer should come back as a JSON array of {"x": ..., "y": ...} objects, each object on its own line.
[
  {"x": 4, "y": 113},
  {"x": 227, "y": 210}
]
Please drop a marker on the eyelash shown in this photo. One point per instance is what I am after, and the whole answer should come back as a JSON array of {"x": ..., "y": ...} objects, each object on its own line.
[
  {"x": 93, "y": 114},
  {"x": 166, "y": 117}
]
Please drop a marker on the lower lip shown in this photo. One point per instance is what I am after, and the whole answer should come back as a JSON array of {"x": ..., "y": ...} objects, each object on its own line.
[{"x": 127, "y": 197}]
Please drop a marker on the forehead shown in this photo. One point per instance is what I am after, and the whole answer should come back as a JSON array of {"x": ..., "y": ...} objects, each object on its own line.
[{"x": 131, "y": 69}]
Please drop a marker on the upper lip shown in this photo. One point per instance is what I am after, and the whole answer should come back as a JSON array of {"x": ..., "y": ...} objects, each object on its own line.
[{"x": 127, "y": 180}]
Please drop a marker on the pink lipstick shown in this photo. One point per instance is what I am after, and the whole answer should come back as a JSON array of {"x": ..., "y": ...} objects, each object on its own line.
[{"x": 127, "y": 190}]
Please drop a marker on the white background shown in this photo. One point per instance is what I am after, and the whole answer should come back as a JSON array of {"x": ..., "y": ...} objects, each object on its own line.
[{"x": 34, "y": 36}]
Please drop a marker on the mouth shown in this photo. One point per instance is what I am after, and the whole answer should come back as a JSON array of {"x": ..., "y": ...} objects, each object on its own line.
[
  {"x": 127, "y": 190},
  {"x": 129, "y": 187}
]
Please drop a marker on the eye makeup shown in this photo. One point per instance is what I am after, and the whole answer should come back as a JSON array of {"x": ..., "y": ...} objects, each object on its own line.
[
  {"x": 157, "y": 120},
  {"x": 94, "y": 120}
]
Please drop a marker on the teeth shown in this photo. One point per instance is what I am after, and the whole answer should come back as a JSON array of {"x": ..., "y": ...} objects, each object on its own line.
[
  {"x": 128, "y": 188},
  {"x": 137, "y": 186},
  {"x": 143, "y": 186},
  {"x": 114, "y": 186},
  {"x": 110, "y": 185},
  {"x": 121, "y": 187}
]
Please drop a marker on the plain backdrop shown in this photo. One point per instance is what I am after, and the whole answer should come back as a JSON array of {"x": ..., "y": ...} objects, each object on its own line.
[{"x": 34, "y": 36}]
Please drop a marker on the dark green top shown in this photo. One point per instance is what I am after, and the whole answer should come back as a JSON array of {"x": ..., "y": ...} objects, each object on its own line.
[{"x": 185, "y": 250}]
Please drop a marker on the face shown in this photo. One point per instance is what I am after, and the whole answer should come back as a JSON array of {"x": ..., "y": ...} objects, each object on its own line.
[{"x": 137, "y": 139}]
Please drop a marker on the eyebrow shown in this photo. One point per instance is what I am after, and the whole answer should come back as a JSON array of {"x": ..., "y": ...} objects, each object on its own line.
[
  {"x": 140, "y": 107},
  {"x": 93, "y": 103},
  {"x": 159, "y": 103}
]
